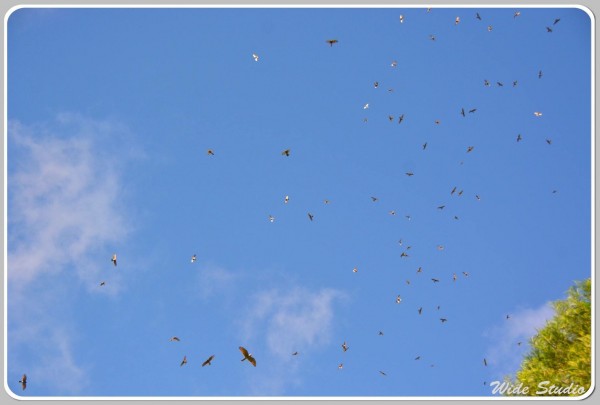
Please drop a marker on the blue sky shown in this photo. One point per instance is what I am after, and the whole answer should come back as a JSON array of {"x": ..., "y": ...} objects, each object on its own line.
[{"x": 110, "y": 116}]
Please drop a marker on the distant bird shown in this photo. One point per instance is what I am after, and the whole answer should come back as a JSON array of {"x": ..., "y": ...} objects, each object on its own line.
[
  {"x": 114, "y": 259},
  {"x": 380, "y": 333},
  {"x": 184, "y": 361},
  {"x": 403, "y": 254},
  {"x": 549, "y": 141},
  {"x": 207, "y": 361},
  {"x": 340, "y": 366},
  {"x": 519, "y": 138},
  {"x": 457, "y": 20},
  {"x": 408, "y": 282},
  {"x": 174, "y": 339},
  {"x": 472, "y": 110},
  {"x": 556, "y": 21},
  {"x": 420, "y": 270},
  {"x": 470, "y": 148},
  {"x": 438, "y": 307},
  {"x": 310, "y": 216},
  {"x": 366, "y": 106},
  {"x": 391, "y": 118},
  {"x": 424, "y": 145},
  {"x": 486, "y": 83},
  {"x": 499, "y": 84},
  {"x": 374, "y": 199},
  {"x": 454, "y": 277},
  {"x": 398, "y": 300},
  {"x": 286, "y": 152},
  {"x": 515, "y": 83},
  {"x": 465, "y": 274},
  {"x": 355, "y": 270},
  {"x": 432, "y": 37},
  {"x": 435, "y": 280},
  {"x": 326, "y": 201},
  {"x": 537, "y": 114},
  {"x": 247, "y": 356},
  {"x": 478, "y": 198},
  {"x": 420, "y": 310},
  {"x": 540, "y": 74},
  {"x": 286, "y": 199},
  {"x": 295, "y": 354},
  {"x": 441, "y": 207},
  {"x": 392, "y": 212},
  {"x": 455, "y": 217},
  {"x": 271, "y": 218},
  {"x": 382, "y": 373},
  {"x": 440, "y": 247},
  {"x": 507, "y": 316},
  {"x": 210, "y": 152},
  {"x": 490, "y": 28},
  {"x": 443, "y": 320},
  {"x": 376, "y": 84},
  {"x": 332, "y": 41},
  {"x": 460, "y": 192},
  {"x": 418, "y": 358},
  {"x": 453, "y": 190},
  {"x": 519, "y": 343},
  {"x": 462, "y": 112},
  {"x": 410, "y": 174},
  {"x": 400, "y": 119},
  {"x": 478, "y": 16},
  {"x": 255, "y": 57},
  {"x": 23, "y": 381},
  {"x": 344, "y": 346},
  {"x": 484, "y": 362},
  {"x": 548, "y": 29},
  {"x": 394, "y": 63},
  {"x": 401, "y": 18},
  {"x": 193, "y": 259},
  {"x": 517, "y": 13},
  {"x": 437, "y": 122},
  {"x": 102, "y": 283}
]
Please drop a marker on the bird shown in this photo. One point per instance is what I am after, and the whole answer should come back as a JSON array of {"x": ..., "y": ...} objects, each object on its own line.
[
  {"x": 326, "y": 201},
  {"x": 376, "y": 84},
  {"x": 507, "y": 316},
  {"x": 456, "y": 217},
  {"x": 344, "y": 346},
  {"x": 490, "y": 28},
  {"x": 247, "y": 356},
  {"x": 441, "y": 207},
  {"x": 340, "y": 366},
  {"x": 499, "y": 84},
  {"x": 286, "y": 199},
  {"x": 401, "y": 18},
  {"x": 418, "y": 358},
  {"x": 515, "y": 83},
  {"x": 23, "y": 381},
  {"x": 380, "y": 333},
  {"x": 443, "y": 320},
  {"x": 440, "y": 247},
  {"x": 460, "y": 192},
  {"x": 453, "y": 276},
  {"x": 486, "y": 83},
  {"x": 382, "y": 373},
  {"x": 478, "y": 16},
  {"x": 462, "y": 112},
  {"x": 394, "y": 63},
  {"x": 193, "y": 259},
  {"x": 400, "y": 119},
  {"x": 420, "y": 310},
  {"x": 392, "y": 212},
  {"x": 519, "y": 343},
  {"x": 548, "y": 29},
  {"x": 478, "y": 198},
  {"x": 174, "y": 339},
  {"x": 519, "y": 138},
  {"x": 391, "y": 118},
  {"x": 398, "y": 300},
  {"x": 437, "y": 122},
  {"x": 310, "y": 216},
  {"x": 453, "y": 190},
  {"x": 295, "y": 354},
  {"x": 184, "y": 361},
  {"x": 366, "y": 106},
  {"x": 286, "y": 152},
  {"x": 420, "y": 270},
  {"x": 549, "y": 141},
  {"x": 408, "y": 217},
  {"x": 355, "y": 270},
  {"x": 207, "y": 361},
  {"x": 374, "y": 199},
  {"x": 465, "y": 274},
  {"x": 517, "y": 13},
  {"x": 438, "y": 307},
  {"x": 408, "y": 282},
  {"x": 556, "y": 21},
  {"x": 210, "y": 152},
  {"x": 435, "y": 280},
  {"x": 432, "y": 37},
  {"x": 424, "y": 145},
  {"x": 537, "y": 114},
  {"x": 332, "y": 41},
  {"x": 102, "y": 283},
  {"x": 457, "y": 20},
  {"x": 472, "y": 110},
  {"x": 484, "y": 362},
  {"x": 470, "y": 148},
  {"x": 255, "y": 57},
  {"x": 271, "y": 218},
  {"x": 540, "y": 74},
  {"x": 403, "y": 254},
  {"x": 114, "y": 259},
  {"x": 410, "y": 174}
]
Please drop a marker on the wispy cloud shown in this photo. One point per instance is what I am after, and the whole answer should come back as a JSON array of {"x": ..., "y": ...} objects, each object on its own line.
[
  {"x": 290, "y": 320},
  {"x": 65, "y": 212},
  {"x": 504, "y": 355}
]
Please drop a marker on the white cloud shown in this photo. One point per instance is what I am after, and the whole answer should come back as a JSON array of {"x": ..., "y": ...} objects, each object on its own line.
[{"x": 504, "y": 356}]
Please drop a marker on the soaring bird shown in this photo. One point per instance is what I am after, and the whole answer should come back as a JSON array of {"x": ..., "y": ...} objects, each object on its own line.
[
  {"x": 207, "y": 361},
  {"x": 556, "y": 21},
  {"x": 409, "y": 174},
  {"x": 174, "y": 339},
  {"x": 340, "y": 366},
  {"x": 331, "y": 41},
  {"x": 549, "y": 141},
  {"x": 344, "y": 346},
  {"x": 460, "y": 192},
  {"x": 271, "y": 218},
  {"x": 420, "y": 270},
  {"x": 490, "y": 28},
  {"x": 380, "y": 333},
  {"x": 391, "y": 118},
  {"x": 537, "y": 114},
  {"x": 102, "y": 283},
  {"x": 286, "y": 152},
  {"x": 515, "y": 83},
  {"x": 441, "y": 207},
  {"x": 247, "y": 356},
  {"x": 114, "y": 259},
  {"x": 382, "y": 373},
  {"x": 366, "y": 106},
  {"x": 403, "y": 254},
  {"x": 443, "y": 320},
  {"x": 376, "y": 84},
  {"x": 23, "y": 381},
  {"x": 286, "y": 199},
  {"x": 462, "y": 112},
  {"x": 548, "y": 29},
  {"x": 392, "y": 212},
  {"x": 374, "y": 199},
  {"x": 484, "y": 362},
  {"x": 193, "y": 260},
  {"x": 477, "y": 16},
  {"x": 394, "y": 63},
  {"x": 519, "y": 138},
  {"x": 184, "y": 361},
  {"x": 432, "y": 37},
  {"x": 418, "y": 358},
  {"x": 486, "y": 83},
  {"x": 400, "y": 119},
  {"x": 453, "y": 190},
  {"x": 465, "y": 274},
  {"x": 472, "y": 110},
  {"x": 440, "y": 247},
  {"x": 401, "y": 18},
  {"x": 310, "y": 216},
  {"x": 420, "y": 310},
  {"x": 424, "y": 145},
  {"x": 478, "y": 198},
  {"x": 454, "y": 277},
  {"x": 295, "y": 354},
  {"x": 435, "y": 280},
  {"x": 517, "y": 13},
  {"x": 507, "y": 316},
  {"x": 470, "y": 148},
  {"x": 540, "y": 74},
  {"x": 210, "y": 152},
  {"x": 457, "y": 20},
  {"x": 255, "y": 57},
  {"x": 398, "y": 300}
]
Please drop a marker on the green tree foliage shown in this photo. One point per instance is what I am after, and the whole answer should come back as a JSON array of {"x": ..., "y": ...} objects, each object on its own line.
[{"x": 561, "y": 351}]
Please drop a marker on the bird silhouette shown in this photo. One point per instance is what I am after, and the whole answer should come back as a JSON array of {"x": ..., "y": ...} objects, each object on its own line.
[
  {"x": 490, "y": 28},
  {"x": 271, "y": 218},
  {"x": 548, "y": 29},
  {"x": 401, "y": 18},
  {"x": 286, "y": 152},
  {"x": 556, "y": 21},
  {"x": 424, "y": 145},
  {"x": 409, "y": 174},
  {"x": 537, "y": 114},
  {"x": 210, "y": 152},
  {"x": 184, "y": 361},
  {"x": 515, "y": 83},
  {"x": 382, "y": 373},
  {"x": 295, "y": 354},
  {"x": 380, "y": 333},
  {"x": 332, "y": 41},
  {"x": 453, "y": 190},
  {"x": 374, "y": 199},
  {"x": 400, "y": 119},
  {"x": 517, "y": 13},
  {"x": 540, "y": 74},
  {"x": 207, "y": 361},
  {"x": 114, "y": 259},
  {"x": 344, "y": 346},
  {"x": 499, "y": 84},
  {"x": 310, "y": 216},
  {"x": 549, "y": 141},
  {"x": 465, "y": 274},
  {"x": 102, "y": 283},
  {"x": 23, "y": 381},
  {"x": 340, "y": 366},
  {"x": 519, "y": 138},
  {"x": 478, "y": 16},
  {"x": 457, "y": 20},
  {"x": 435, "y": 280},
  {"x": 486, "y": 83},
  {"x": 398, "y": 300},
  {"x": 418, "y": 358},
  {"x": 472, "y": 110},
  {"x": 174, "y": 339},
  {"x": 394, "y": 63},
  {"x": 376, "y": 84},
  {"x": 247, "y": 356},
  {"x": 470, "y": 148},
  {"x": 193, "y": 259},
  {"x": 420, "y": 310},
  {"x": 286, "y": 199},
  {"x": 484, "y": 362},
  {"x": 443, "y": 320},
  {"x": 462, "y": 112},
  {"x": 441, "y": 207}
]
